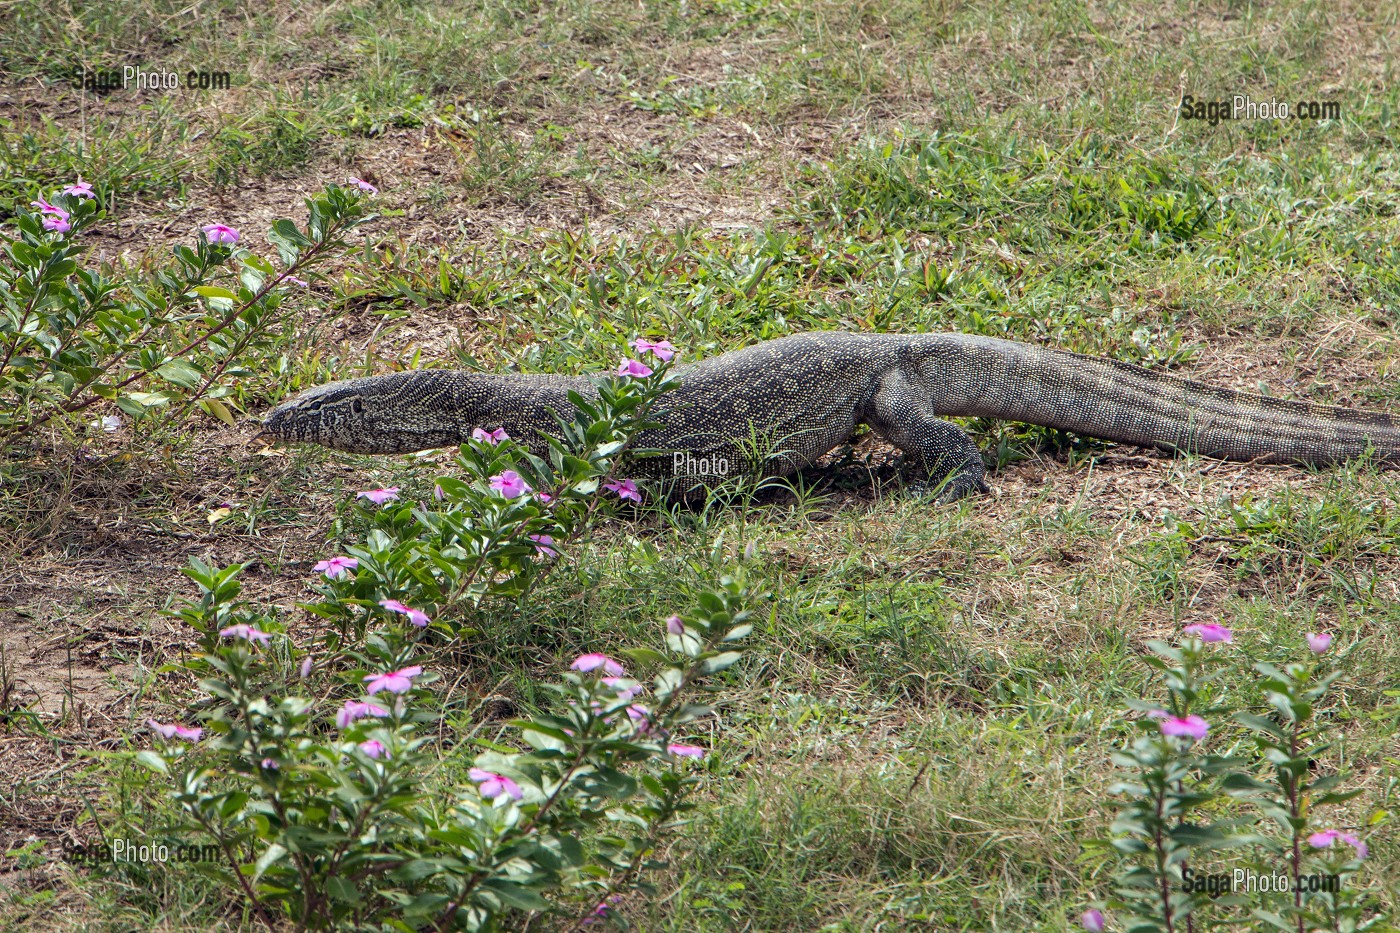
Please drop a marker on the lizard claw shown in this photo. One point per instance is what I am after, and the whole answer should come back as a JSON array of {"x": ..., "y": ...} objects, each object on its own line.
[
  {"x": 952, "y": 488},
  {"x": 960, "y": 487}
]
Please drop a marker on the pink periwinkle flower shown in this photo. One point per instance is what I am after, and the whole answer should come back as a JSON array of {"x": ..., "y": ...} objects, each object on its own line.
[
  {"x": 494, "y": 785},
  {"x": 1355, "y": 842},
  {"x": 269, "y": 764},
  {"x": 55, "y": 218},
  {"x": 174, "y": 730},
  {"x": 490, "y": 437},
  {"x": 640, "y": 716},
  {"x": 1192, "y": 727},
  {"x": 662, "y": 348},
  {"x": 1092, "y": 920},
  {"x": 395, "y": 681},
  {"x": 674, "y": 625},
  {"x": 335, "y": 567},
  {"x": 374, "y": 748},
  {"x": 417, "y": 616},
  {"x": 364, "y": 185},
  {"x": 510, "y": 484},
  {"x": 685, "y": 751},
  {"x": 624, "y": 692},
  {"x": 625, "y": 489},
  {"x": 379, "y": 496},
  {"x": 46, "y": 208},
  {"x": 544, "y": 497},
  {"x": 1325, "y": 839},
  {"x": 245, "y": 631},
  {"x": 544, "y": 545},
  {"x": 297, "y": 280},
  {"x": 220, "y": 233},
  {"x": 80, "y": 189},
  {"x": 357, "y": 709},
  {"x": 1209, "y": 632},
  {"x": 592, "y": 662},
  {"x": 633, "y": 368},
  {"x": 306, "y": 667},
  {"x": 1319, "y": 643}
]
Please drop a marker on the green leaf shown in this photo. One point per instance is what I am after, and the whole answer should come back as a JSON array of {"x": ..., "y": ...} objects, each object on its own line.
[
  {"x": 153, "y": 760},
  {"x": 645, "y": 655},
  {"x": 1324, "y": 783},
  {"x": 288, "y": 231},
  {"x": 719, "y": 662},
  {"x": 342, "y": 889},
  {"x": 1240, "y": 783},
  {"x": 1260, "y": 724},
  {"x": 214, "y": 291},
  {"x": 181, "y": 373},
  {"x": 136, "y": 404},
  {"x": 232, "y": 804},
  {"x": 218, "y": 409},
  {"x": 252, "y": 280},
  {"x": 267, "y": 860},
  {"x": 289, "y": 241},
  {"x": 259, "y": 263},
  {"x": 517, "y": 896},
  {"x": 526, "y": 725},
  {"x": 1201, "y": 837}
]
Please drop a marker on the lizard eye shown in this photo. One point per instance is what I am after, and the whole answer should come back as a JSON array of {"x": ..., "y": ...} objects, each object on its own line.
[{"x": 315, "y": 406}]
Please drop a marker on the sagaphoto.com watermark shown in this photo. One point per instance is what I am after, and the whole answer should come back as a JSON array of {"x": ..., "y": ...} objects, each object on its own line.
[
  {"x": 136, "y": 78},
  {"x": 1248, "y": 881},
  {"x": 1244, "y": 107}
]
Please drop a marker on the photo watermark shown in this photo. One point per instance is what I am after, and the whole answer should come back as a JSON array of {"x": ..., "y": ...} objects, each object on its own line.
[
  {"x": 124, "y": 850},
  {"x": 1248, "y": 881},
  {"x": 684, "y": 463},
  {"x": 1244, "y": 107},
  {"x": 132, "y": 76}
]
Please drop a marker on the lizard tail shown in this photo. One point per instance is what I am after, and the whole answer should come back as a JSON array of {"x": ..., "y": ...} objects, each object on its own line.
[{"x": 1118, "y": 401}]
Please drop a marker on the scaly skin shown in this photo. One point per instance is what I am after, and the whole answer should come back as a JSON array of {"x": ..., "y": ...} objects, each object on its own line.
[{"x": 777, "y": 406}]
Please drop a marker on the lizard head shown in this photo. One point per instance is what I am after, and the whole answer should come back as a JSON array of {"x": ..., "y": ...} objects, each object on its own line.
[{"x": 397, "y": 413}]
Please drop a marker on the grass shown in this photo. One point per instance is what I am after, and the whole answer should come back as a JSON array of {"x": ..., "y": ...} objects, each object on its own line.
[{"x": 920, "y": 739}]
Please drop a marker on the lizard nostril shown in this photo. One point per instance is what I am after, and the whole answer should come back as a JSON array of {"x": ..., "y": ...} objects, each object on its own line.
[{"x": 357, "y": 406}]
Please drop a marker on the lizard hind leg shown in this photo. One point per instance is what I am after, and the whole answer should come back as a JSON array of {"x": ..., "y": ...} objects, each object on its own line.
[{"x": 950, "y": 458}]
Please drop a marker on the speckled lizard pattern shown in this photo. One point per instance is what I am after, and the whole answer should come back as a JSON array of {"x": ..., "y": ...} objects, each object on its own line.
[{"x": 793, "y": 399}]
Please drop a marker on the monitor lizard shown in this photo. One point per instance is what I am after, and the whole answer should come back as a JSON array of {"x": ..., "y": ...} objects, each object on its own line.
[{"x": 792, "y": 399}]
